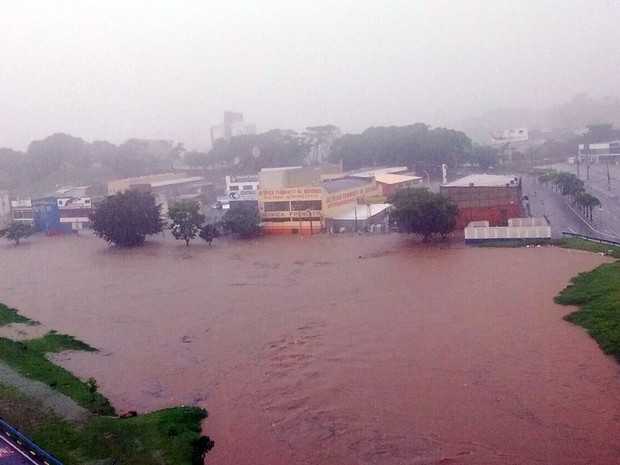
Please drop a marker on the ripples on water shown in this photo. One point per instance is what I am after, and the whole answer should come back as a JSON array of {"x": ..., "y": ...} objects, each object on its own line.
[{"x": 335, "y": 350}]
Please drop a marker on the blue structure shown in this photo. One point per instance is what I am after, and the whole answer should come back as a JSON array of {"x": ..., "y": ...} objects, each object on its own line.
[
  {"x": 18, "y": 449},
  {"x": 47, "y": 216}
]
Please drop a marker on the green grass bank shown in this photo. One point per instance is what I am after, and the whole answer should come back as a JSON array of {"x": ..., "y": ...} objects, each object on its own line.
[
  {"x": 597, "y": 294},
  {"x": 170, "y": 436}
]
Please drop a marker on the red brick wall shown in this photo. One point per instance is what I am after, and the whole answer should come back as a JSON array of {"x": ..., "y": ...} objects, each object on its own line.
[{"x": 496, "y": 215}]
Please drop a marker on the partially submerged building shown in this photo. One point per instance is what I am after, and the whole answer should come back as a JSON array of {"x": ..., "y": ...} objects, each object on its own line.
[
  {"x": 485, "y": 197},
  {"x": 168, "y": 187},
  {"x": 308, "y": 200}
]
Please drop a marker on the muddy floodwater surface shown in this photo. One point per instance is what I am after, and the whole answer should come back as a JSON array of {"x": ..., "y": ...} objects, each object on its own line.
[{"x": 335, "y": 349}]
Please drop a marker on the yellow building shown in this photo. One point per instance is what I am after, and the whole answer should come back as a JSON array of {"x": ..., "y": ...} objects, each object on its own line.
[{"x": 308, "y": 208}]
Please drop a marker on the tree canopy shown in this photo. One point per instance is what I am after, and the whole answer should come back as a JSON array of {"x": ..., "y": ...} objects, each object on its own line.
[
  {"x": 420, "y": 211},
  {"x": 186, "y": 219},
  {"x": 416, "y": 146},
  {"x": 17, "y": 231},
  {"x": 126, "y": 218},
  {"x": 209, "y": 232},
  {"x": 573, "y": 189},
  {"x": 242, "y": 220},
  {"x": 275, "y": 148}
]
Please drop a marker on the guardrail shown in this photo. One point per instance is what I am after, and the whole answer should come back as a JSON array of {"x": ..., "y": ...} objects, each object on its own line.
[
  {"x": 592, "y": 239},
  {"x": 17, "y": 439}
]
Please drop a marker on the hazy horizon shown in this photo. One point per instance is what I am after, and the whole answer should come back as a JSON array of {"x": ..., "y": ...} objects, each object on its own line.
[{"x": 168, "y": 70}]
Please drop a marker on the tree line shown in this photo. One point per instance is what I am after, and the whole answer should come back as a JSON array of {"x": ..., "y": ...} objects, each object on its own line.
[
  {"x": 128, "y": 217},
  {"x": 62, "y": 159},
  {"x": 572, "y": 189}
]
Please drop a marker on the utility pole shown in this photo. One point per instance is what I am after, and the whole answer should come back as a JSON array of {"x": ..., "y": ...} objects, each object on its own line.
[
  {"x": 310, "y": 216},
  {"x": 608, "y": 177}
]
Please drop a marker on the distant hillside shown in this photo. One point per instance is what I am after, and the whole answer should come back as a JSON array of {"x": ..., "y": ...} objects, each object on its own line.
[{"x": 557, "y": 121}]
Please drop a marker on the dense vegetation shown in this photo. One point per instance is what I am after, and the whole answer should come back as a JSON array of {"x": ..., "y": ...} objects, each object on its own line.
[
  {"x": 126, "y": 218},
  {"x": 16, "y": 231},
  {"x": 243, "y": 221},
  {"x": 597, "y": 293},
  {"x": 416, "y": 146},
  {"x": 423, "y": 212}
]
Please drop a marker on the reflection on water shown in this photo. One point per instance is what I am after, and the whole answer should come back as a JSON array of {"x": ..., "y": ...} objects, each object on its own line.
[{"x": 334, "y": 350}]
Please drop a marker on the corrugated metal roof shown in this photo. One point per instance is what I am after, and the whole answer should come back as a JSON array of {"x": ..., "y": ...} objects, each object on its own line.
[
  {"x": 484, "y": 180},
  {"x": 343, "y": 184},
  {"x": 387, "y": 178}
]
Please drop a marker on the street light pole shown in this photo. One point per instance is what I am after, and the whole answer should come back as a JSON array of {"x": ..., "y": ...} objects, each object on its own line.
[
  {"x": 310, "y": 216},
  {"x": 608, "y": 177}
]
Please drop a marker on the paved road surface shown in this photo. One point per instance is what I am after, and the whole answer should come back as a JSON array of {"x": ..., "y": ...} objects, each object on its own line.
[{"x": 563, "y": 218}]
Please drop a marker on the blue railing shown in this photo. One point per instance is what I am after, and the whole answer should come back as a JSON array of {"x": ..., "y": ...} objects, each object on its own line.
[
  {"x": 592, "y": 239},
  {"x": 27, "y": 444}
]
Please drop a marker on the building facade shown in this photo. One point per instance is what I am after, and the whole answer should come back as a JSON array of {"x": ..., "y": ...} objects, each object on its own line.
[
  {"x": 482, "y": 197},
  {"x": 242, "y": 188},
  {"x": 311, "y": 205}
]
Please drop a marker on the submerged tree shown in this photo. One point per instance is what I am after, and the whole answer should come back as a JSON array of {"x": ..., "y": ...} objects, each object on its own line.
[
  {"x": 422, "y": 212},
  {"x": 186, "y": 220},
  {"x": 17, "y": 231},
  {"x": 209, "y": 232},
  {"x": 242, "y": 220},
  {"x": 126, "y": 218}
]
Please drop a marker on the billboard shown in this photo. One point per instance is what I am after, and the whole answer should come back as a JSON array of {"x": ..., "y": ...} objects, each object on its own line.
[
  {"x": 243, "y": 178},
  {"x": 21, "y": 203},
  {"x": 74, "y": 203},
  {"x": 507, "y": 136}
]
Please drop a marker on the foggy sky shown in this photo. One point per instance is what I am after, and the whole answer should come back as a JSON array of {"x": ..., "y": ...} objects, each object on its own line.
[{"x": 112, "y": 70}]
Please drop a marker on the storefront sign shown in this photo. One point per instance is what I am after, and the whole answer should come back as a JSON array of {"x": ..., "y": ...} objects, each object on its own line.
[
  {"x": 242, "y": 195},
  {"x": 302, "y": 193},
  {"x": 73, "y": 202}
]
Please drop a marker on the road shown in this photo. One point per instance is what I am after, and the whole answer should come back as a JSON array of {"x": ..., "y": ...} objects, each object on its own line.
[{"x": 606, "y": 220}]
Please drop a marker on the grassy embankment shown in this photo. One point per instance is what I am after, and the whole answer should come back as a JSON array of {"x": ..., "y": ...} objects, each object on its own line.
[
  {"x": 566, "y": 243},
  {"x": 597, "y": 294},
  {"x": 170, "y": 436}
]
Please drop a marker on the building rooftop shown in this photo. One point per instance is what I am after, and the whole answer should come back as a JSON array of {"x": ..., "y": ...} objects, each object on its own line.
[
  {"x": 484, "y": 180},
  {"x": 387, "y": 178},
  {"x": 173, "y": 182},
  {"x": 361, "y": 212},
  {"x": 282, "y": 168},
  {"x": 366, "y": 172},
  {"x": 342, "y": 184}
]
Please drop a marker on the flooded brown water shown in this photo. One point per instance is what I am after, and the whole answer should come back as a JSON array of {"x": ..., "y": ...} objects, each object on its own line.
[{"x": 335, "y": 350}]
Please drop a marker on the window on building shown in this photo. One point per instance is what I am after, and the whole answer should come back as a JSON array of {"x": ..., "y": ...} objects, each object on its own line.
[
  {"x": 277, "y": 206},
  {"x": 299, "y": 205}
]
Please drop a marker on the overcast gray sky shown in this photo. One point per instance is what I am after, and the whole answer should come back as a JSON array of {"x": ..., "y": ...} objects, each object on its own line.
[{"x": 112, "y": 70}]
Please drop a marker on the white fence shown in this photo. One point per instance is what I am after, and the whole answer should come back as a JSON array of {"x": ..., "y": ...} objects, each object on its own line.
[{"x": 518, "y": 228}]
